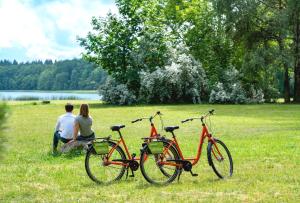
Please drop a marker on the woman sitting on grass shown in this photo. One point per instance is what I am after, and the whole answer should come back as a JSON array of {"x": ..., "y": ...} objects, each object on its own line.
[{"x": 83, "y": 123}]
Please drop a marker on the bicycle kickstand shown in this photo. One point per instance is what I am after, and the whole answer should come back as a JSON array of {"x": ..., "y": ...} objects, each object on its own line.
[
  {"x": 180, "y": 172},
  {"x": 132, "y": 173},
  {"x": 127, "y": 168},
  {"x": 193, "y": 174}
]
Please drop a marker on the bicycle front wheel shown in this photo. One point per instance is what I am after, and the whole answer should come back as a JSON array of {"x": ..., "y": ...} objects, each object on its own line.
[
  {"x": 219, "y": 158},
  {"x": 98, "y": 166},
  {"x": 157, "y": 173}
]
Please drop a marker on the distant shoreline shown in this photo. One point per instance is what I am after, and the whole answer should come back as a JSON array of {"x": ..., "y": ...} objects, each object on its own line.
[
  {"x": 26, "y": 95},
  {"x": 63, "y": 91}
]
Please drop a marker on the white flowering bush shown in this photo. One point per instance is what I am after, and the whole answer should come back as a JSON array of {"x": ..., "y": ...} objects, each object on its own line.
[
  {"x": 160, "y": 86},
  {"x": 238, "y": 94},
  {"x": 219, "y": 95},
  {"x": 256, "y": 96},
  {"x": 233, "y": 92},
  {"x": 114, "y": 93},
  {"x": 183, "y": 80}
]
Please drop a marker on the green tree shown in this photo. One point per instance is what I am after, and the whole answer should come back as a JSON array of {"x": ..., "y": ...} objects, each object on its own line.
[
  {"x": 61, "y": 81},
  {"x": 42, "y": 76},
  {"x": 45, "y": 80},
  {"x": 205, "y": 35},
  {"x": 112, "y": 46},
  {"x": 127, "y": 43},
  {"x": 260, "y": 26}
]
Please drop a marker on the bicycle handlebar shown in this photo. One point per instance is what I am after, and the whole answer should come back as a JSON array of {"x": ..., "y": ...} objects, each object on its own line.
[
  {"x": 189, "y": 119},
  {"x": 136, "y": 120},
  {"x": 150, "y": 118},
  {"x": 211, "y": 112}
]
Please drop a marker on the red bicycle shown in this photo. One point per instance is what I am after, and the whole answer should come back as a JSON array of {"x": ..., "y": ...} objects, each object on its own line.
[
  {"x": 107, "y": 160},
  {"x": 219, "y": 157}
]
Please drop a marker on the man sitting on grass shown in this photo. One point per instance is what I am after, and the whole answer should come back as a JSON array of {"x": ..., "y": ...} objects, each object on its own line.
[{"x": 64, "y": 127}]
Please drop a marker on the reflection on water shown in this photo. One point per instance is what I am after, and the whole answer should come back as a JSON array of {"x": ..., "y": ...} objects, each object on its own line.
[{"x": 50, "y": 95}]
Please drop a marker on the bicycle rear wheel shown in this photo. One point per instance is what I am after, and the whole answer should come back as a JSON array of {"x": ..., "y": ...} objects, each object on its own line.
[
  {"x": 155, "y": 173},
  {"x": 219, "y": 158},
  {"x": 97, "y": 168}
]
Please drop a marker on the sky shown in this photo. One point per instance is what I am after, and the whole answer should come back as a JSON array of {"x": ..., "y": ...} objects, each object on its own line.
[{"x": 47, "y": 29}]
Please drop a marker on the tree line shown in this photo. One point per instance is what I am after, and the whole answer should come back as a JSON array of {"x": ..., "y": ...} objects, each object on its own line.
[
  {"x": 241, "y": 51},
  {"x": 75, "y": 74}
]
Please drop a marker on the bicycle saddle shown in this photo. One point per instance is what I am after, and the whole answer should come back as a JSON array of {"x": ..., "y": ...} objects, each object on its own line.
[
  {"x": 171, "y": 128},
  {"x": 116, "y": 127}
]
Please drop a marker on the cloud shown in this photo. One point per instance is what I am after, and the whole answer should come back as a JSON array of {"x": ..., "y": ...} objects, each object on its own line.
[{"x": 48, "y": 29}]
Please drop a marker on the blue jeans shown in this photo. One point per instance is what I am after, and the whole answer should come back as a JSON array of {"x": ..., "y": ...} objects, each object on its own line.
[
  {"x": 86, "y": 138},
  {"x": 56, "y": 138}
]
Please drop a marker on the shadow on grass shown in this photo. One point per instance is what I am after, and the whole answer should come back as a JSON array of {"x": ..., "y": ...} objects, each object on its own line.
[
  {"x": 145, "y": 185},
  {"x": 182, "y": 182},
  {"x": 70, "y": 155},
  {"x": 74, "y": 153},
  {"x": 93, "y": 184}
]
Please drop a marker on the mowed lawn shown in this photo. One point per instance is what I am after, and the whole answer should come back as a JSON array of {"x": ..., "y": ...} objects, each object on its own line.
[{"x": 264, "y": 141}]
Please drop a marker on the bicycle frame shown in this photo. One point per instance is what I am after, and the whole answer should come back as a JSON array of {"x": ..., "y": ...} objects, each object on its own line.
[
  {"x": 121, "y": 141},
  {"x": 195, "y": 160}
]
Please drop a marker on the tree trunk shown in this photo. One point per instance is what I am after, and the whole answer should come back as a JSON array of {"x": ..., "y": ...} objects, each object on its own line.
[
  {"x": 287, "y": 94},
  {"x": 297, "y": 83},
  {"x": 286, "y": 83},
  {"x": 297, "y": 59}
]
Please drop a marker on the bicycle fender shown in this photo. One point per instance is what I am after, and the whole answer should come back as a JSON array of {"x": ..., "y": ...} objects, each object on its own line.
[
  {"x": 145, "y": 148},
  {"x": 209, "y": 146}
]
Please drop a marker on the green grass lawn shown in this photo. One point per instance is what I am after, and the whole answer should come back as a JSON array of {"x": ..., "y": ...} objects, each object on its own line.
[{"x": 264, "y": 141}]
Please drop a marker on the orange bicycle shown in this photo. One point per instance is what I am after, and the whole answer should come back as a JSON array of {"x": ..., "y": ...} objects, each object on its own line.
[
  {"x": 219, "y": 157},
  {"x": 106, "y": 161},
  {"x": 166, "y": 173}
]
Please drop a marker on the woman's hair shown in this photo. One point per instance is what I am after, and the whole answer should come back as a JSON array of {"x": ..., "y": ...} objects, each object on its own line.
[{"x": 84, "y": 110}]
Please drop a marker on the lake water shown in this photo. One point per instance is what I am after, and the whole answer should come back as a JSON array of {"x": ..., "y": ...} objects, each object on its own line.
[{"x": 47, "y": 95}]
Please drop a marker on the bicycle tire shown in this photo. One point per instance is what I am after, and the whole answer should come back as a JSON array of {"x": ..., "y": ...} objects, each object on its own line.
[
  {"x": 170, "y": 177},
  {"x": 90, "y": 172},
  {"x": 213, "y": 161}
]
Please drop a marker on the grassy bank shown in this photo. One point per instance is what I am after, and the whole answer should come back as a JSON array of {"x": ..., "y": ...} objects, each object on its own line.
[{"x": 264, "y": 141}]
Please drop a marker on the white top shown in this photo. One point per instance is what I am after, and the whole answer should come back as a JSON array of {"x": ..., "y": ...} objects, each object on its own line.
[{"x": 65, "y": 124}]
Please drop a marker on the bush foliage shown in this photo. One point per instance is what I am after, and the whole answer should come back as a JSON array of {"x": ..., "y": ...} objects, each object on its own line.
[
  {"x": 184, "y": 80},
  {"x": 114, "y": 93},
  {"x": 231, "y": 91}
]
